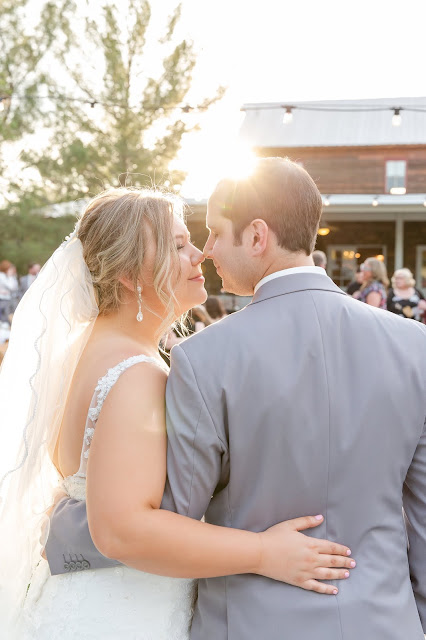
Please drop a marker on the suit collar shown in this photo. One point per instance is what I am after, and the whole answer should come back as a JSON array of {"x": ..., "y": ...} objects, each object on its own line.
[{"x": 295, "y": 282}]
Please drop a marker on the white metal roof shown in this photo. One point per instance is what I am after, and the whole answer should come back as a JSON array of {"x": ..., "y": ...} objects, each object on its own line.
[
  {"x": 413, "y": 199},
  {"x": 335, "y": 123}
]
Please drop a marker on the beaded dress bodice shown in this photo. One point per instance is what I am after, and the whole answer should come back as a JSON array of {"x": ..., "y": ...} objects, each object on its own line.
[{"x": 75, "y": 485}]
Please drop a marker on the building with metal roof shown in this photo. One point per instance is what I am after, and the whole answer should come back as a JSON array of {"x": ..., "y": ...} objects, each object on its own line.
[{"x": 335, "y": 123}]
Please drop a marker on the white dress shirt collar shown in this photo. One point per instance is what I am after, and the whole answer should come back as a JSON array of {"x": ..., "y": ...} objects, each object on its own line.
[{"x": 287, "y": 272}]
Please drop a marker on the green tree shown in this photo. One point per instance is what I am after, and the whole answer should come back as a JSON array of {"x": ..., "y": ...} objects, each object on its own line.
[
  {"x": 27, "y": 35},
  {"x": 28, "y": 237},
  {"x": 23, "y": 49},
  {"x": 123, "y": 125}
]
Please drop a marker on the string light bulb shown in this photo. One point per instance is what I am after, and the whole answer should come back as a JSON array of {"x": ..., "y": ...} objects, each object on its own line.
[
  {"x": 375, "y": 202},
  {"x": 396, "y": 118},
  {"x": 288, "y": 115},
  {"x": 326, "y": 201}
]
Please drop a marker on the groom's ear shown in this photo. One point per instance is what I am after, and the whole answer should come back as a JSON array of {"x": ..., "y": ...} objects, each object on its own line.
[{"x": 258, "y": 236}]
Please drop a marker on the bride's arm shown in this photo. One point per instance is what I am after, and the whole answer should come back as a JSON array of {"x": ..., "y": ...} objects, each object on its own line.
[{"x": 125, "y": 483}]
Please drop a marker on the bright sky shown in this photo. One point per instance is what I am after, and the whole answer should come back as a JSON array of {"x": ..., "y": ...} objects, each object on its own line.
[
  {"x": 282, "y": 50},
  {"x": 277, "y": 50}
]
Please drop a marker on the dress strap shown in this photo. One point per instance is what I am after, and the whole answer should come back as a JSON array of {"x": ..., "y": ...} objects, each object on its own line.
[
  {"x": 104, "y": 386},
  {"x": 106, "y": 383}
]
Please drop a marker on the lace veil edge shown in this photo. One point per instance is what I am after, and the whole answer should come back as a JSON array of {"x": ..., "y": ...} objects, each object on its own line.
[{"x": 50, "y": 329}]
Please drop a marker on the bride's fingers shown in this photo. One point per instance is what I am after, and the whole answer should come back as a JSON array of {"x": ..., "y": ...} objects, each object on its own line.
[
  {"x": 320, "y": 587},
  {"x": 305, "y": 522},
  {"x": 323, "y": 573},
  {"x": 325, "y": 560},
  {"x": 331, "y": 548}
]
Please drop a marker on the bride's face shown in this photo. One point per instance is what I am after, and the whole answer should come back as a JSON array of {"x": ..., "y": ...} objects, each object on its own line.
[
  {"x": 189, "y": 288},
  {"x": 188, "y": 283}
]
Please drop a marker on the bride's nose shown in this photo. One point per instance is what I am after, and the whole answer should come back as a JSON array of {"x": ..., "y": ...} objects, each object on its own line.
[{"x": 197, "y": 257}]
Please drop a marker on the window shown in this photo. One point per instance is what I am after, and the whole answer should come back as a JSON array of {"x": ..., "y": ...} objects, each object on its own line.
[
  {"x": 343, "y": 260},
  {"x": 396, "y": 171}
]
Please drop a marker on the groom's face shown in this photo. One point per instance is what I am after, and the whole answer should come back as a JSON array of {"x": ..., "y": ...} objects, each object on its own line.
[{"x": 231, "y": 261}]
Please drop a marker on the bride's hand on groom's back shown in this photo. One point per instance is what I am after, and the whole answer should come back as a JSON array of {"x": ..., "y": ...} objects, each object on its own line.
[{"x": 292, "y": 557}]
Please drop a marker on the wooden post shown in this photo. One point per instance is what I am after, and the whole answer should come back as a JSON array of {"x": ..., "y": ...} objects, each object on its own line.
[{"x": 399, "y": 242}]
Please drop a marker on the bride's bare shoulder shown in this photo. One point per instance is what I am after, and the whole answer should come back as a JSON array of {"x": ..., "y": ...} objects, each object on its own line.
[{"x": 104, "y": 352}]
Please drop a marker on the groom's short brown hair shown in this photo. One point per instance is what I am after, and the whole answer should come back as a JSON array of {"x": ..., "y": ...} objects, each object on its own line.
[{"x": 281, "y": 193}]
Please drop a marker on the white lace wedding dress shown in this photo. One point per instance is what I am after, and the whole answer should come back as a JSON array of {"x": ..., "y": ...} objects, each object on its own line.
[{"x": 116, "y": 603}]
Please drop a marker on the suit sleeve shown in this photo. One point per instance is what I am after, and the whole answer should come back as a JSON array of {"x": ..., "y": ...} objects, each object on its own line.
[
  {"x": 415, "y": 512},
  {"x": 194, "y": 452},
  {"x": 69, "y": 545}
]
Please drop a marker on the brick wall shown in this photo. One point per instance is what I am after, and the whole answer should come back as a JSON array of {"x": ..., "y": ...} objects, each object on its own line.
[{"x": 357, "y": 169}]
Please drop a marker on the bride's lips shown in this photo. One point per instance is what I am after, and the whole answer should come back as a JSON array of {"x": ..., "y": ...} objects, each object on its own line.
[{"x": 198, "y": 278}]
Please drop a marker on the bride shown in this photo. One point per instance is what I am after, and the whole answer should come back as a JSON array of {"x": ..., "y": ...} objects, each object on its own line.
[{"x": 82, "y": 392}]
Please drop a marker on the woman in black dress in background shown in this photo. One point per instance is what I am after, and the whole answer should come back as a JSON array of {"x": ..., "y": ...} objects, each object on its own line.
[{"x": 404, "y": 299}]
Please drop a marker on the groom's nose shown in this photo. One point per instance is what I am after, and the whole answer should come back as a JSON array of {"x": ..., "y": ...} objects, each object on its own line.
[{"x": 208, "y": 248}]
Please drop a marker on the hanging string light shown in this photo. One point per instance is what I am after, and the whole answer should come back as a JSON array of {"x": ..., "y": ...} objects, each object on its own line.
[
  {"x": 4, "y": 102},
  {"x": 346, "y": 108},
  {"x": 396, "y": 118},
  {"x": 92, "y": 103},
  {"x": 288, "y": 115},
  {"x": 375, "y": 202}
]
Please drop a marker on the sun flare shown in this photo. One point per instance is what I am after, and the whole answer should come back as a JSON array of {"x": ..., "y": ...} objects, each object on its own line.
[{"x": 240, "y": 163}]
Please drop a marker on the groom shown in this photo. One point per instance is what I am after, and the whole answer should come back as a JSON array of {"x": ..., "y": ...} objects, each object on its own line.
[{"x": 306, "y": 401}]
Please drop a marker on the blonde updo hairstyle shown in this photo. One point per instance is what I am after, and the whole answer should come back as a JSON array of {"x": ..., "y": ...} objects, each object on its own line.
[
  {"x": 113, "y": 232},
  {"x": 406, "y": 274}
]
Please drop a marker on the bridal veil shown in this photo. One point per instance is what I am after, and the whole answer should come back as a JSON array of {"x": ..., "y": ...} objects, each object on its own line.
[{"x": 49, "y": 332}]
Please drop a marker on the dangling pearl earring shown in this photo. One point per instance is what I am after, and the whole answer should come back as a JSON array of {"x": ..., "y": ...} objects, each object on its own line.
[{"x": 139, "y": 317}]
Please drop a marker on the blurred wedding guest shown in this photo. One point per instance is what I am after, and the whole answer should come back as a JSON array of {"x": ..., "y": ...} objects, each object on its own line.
[
  {"x": 373, "y": 290},
  {"x": 8, "y": 289},
  {"x": 4, "y": 335},
  {"x": 215, "y": 309},
  {"x": 320, "y": 259},
  {"x": 355, "y": 285},
  {"x": 15, "y": 291},
  {"x": 403, "y": 297},
  {"x": 197, "y": 319},
  {"x": 28, "y": 279}
]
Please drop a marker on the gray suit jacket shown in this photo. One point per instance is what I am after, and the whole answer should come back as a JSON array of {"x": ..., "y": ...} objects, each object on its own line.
[{"x": 306, "y": 401}]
